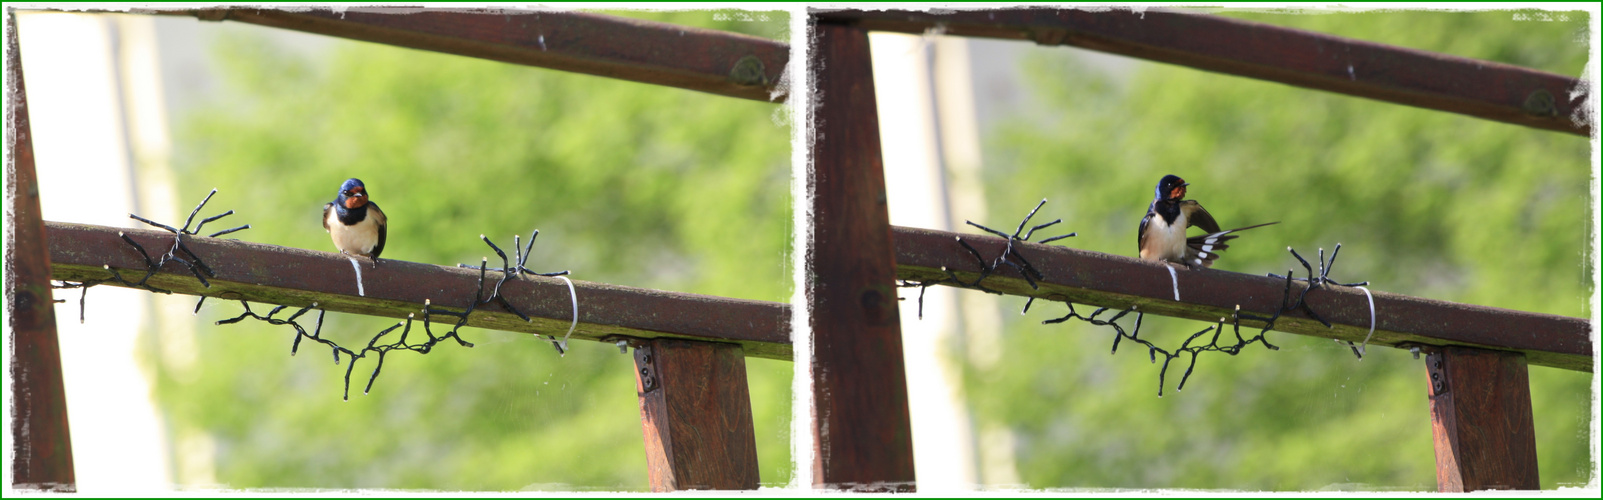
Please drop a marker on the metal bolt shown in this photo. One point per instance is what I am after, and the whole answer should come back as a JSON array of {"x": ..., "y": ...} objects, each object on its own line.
[
  {"x": 748, "y": 70},
  {"x": 1540, "y": 103}
]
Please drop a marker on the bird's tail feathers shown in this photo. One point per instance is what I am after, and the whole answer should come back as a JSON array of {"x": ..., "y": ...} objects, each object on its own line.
[{"x": 1203, "y": 250}]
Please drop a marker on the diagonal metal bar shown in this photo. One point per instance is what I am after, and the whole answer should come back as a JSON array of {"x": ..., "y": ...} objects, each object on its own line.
[
  {"x": 716, "y": 62},
  {"x": 296, "y": 277},
  {"x": 1484, "y": 89},
  {"x": 1118, "y": 282},
  {"x": 862, "y": 427},
  {"x": 41, "y": 439}
]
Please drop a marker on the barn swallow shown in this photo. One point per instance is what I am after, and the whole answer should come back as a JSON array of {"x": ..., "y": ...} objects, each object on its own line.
[
  {"x": 355, "y": 222},
  {"x": 1162, "y": 236}
]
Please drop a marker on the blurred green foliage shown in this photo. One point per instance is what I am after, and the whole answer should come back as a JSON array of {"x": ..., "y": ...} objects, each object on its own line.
[
  {"x": 629, "y": 184},
  {"x": 1425, "y": 203}
]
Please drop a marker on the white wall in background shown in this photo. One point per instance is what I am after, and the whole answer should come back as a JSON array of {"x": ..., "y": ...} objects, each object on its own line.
[
  {"x": 943, "y": 443},
  {"x": 85, "y": 174}
]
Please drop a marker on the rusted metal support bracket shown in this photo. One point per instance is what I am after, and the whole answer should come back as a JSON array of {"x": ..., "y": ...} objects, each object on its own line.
[
  {"x": 1118, "y": 282},
  {"x": 716, "y": 62},
  {"x": 295, "y": 277},
  {"x": 1480, "y": 412},
  {"x": 41, "y": 443},
  {"x": 695, "y": 412},
  {"x": 1484, "y": 89},
  {"x": 862, "y": 431}
]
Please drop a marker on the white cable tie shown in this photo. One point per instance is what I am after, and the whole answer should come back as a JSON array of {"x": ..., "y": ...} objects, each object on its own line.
[
  {"x": 1176, "y": 280},
  {"x": 1371, "y": 321},
  {"x": 575, "y": 297},
  {"x": 358, "y": 267}
]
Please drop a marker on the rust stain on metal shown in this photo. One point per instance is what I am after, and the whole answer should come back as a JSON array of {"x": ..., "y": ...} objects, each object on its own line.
[
  {"x": 297, "y": 277},
  {"x": 1117, "y": 281}
]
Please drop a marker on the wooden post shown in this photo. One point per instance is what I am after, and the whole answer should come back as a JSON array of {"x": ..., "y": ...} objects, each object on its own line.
[
  {"x": 1480, "y": 409},
  {"x": 862, "y": 433},
  {"x": 696, "y": 414},
  {"x": 39, "y": 435}
]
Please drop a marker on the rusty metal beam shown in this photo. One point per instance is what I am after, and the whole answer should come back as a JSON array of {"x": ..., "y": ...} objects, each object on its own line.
[
  {"x": 861, "y": 426},
  {"x": 41, "y": 442},
  {"x": 716, "y": 62},
  {"x": 298, "y": 277},
  {"x": 1481, "y": 419},
  {"x": 1484, "y": 89},
  {"x": 1119, "y": 282},
  {"x": 695, "y": 412}
]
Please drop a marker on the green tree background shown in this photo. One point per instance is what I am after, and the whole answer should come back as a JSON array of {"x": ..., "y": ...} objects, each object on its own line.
[
  {"x": 1425, "y": 203},
  {"x": 629, "y": 184}
]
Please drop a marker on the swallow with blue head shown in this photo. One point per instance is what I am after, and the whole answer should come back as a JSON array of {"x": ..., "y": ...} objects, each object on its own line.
[
  {"x": 1162, "y": 236},
  {"x": 356, "y": 224}
]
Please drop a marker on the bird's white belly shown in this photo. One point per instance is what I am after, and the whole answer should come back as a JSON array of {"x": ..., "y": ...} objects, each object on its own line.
[
  {"x": 357, "y": 239},
  {"x": 1171, "y": 238}
]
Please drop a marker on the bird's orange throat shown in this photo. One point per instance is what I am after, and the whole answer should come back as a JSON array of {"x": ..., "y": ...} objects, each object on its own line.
[{"x": 355, "y": 202}]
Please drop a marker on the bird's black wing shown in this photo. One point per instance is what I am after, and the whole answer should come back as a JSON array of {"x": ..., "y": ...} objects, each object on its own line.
[
  {"x": 1141, "y": 233},
  {"x": 1198, "y": 216},
  {"x": 327, "y": 207},
  {"x": 383, "y": 226}
]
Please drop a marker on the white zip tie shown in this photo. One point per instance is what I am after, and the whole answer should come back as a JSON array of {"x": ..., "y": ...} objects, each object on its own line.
[
  {"x": 575, "y": 297},
  {"x": 358, "y": 268},
  {"x": 1371, "y": 321},
  {"x": 1176, "y": 280}
]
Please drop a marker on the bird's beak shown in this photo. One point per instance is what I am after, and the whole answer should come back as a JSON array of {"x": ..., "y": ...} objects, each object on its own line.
[
  {"x": 355, "y": 199},
  {"x": 1184, "y": 184}
]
